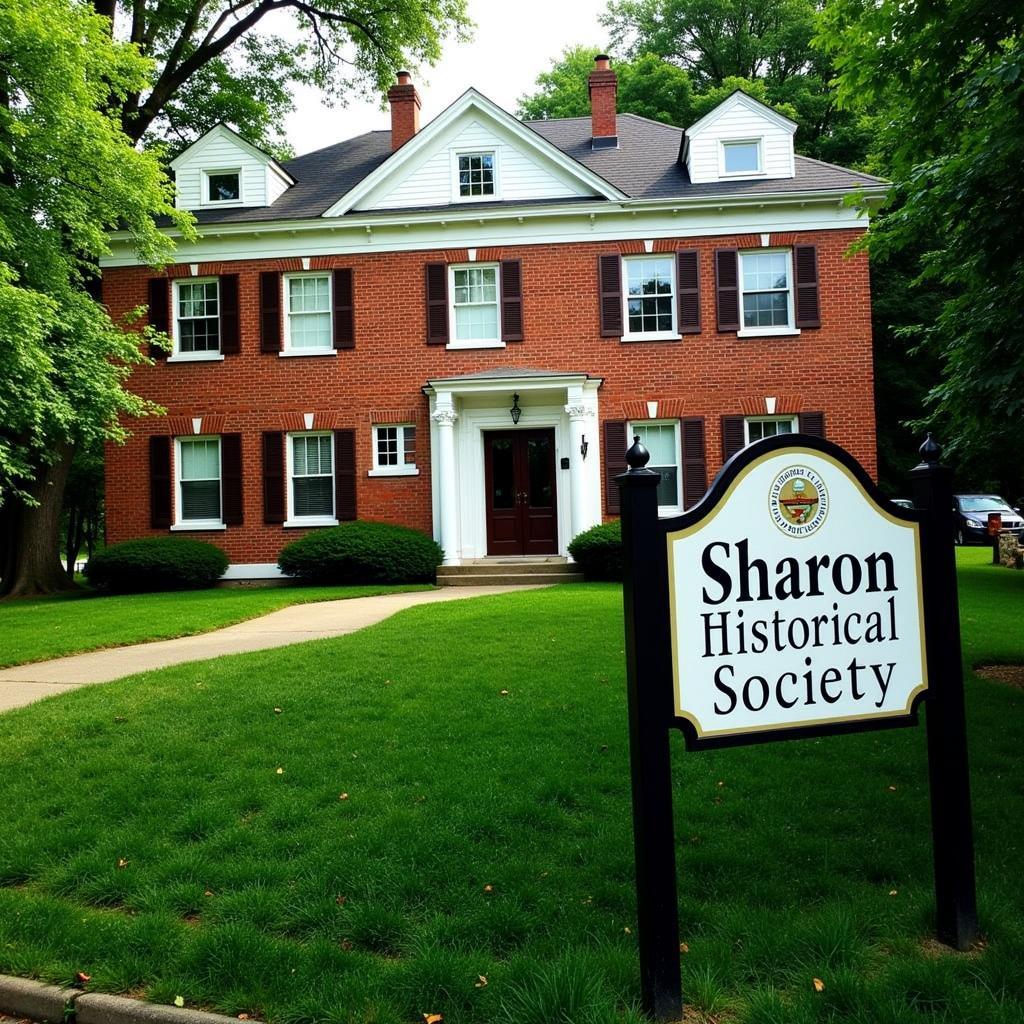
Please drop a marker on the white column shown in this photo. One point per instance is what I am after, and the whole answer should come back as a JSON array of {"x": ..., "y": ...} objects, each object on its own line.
[
  {"x": 580, "y": 419},
  {"x": 445, "y": 416}
]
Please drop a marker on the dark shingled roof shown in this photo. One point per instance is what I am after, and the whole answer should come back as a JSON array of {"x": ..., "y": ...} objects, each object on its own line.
[{"x": 644, "y": 166}]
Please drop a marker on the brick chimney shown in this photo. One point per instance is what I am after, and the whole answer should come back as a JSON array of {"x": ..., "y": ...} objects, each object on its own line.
[
  {"x": 405, "y": 110},
  {"x": 603, "y": 85}
]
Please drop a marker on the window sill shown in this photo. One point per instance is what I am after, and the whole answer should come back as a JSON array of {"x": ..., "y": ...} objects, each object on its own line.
[
  {"x": 768, "y": 332},
  {"x": 297, "y": 353},
  {"x": 653, "y": 336},
  {"x": 497, "y": 343},
  {"x": 196, "y": 357},
  {"x": 290, "y": 524},
  {"x": 199, "y": 524},
  {"x": 395, "y": 471}
]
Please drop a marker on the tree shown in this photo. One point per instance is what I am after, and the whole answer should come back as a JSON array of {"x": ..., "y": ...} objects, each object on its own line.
[
  {"x": 948, "y": 79},
  {"x": 67, "y": 174}
]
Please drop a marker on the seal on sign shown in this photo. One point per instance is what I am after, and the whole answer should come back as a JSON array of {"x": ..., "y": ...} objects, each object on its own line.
[{"x": 798, "y": 500}]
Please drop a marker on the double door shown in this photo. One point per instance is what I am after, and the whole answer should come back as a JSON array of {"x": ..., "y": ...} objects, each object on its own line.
[{"x": 521, "y": 500}]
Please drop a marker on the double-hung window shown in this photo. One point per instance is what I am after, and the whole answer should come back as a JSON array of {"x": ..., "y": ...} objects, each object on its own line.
[
  {"x": 475, "y": 173},
  {"x": 199, "y": 483},
  {"x": 661, "y": 439},
  {"x": 758, "y": 427},
  {"x": 475, "y": 319},
  {"x": 311, "y": 485},
  {"x": 196, "y": 319},
  {"x": 766, "y": 285},
  {"x": 650, "y": 298},
  {"x": 308, "y": 314},
  {"x": 394, "y": 450}
]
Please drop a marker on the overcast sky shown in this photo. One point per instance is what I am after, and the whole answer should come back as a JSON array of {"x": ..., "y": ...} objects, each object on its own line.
[{"x": 512, "y": 44}]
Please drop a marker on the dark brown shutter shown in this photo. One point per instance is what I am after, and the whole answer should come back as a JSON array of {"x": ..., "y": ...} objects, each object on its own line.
[
  {"x": 727, "y": 287},
  {"x": 805, "y": 263},
  {"x": 695, "y": 471},
  {"x": 615, "y": 444},
  {"x": 160, "y": 482},
  {"x": 273, "y": 477},
  {"x": 734, "y": 436},
  {"x": 231, "y": 478},
  {"x": 230, "y": 340},
  {"x": 344, "y": 309},
  {"x": 609, "y": 276},
  {"x": 345, "y": 474},
  {"x": 688, "y": 283},
  {"x": 437, "y": 303},
  {"x": 511, "y": 300},
  {"x": 270, "y": 315},
  {"x": 159, "y": 311},
  {"x": 812, "y": 424}
]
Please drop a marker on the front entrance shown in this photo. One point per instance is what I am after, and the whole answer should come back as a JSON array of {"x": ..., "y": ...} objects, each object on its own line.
[{"x": 520, "y": 482}]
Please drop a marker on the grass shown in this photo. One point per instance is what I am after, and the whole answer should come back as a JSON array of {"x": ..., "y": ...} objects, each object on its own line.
[
  {"x": 34, "y": 629},
  {"x": 172, "y": 835}
]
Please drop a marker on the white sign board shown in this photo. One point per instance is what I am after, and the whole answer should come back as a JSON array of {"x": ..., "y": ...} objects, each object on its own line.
[{"x": 796, "y": 602}]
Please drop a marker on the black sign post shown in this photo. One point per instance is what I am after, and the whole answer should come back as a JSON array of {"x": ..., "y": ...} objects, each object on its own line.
[{"x": 653, "y": 709}]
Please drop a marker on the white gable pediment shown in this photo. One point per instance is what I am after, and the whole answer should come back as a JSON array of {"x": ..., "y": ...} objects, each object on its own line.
[{"x": 424, "y": 172}]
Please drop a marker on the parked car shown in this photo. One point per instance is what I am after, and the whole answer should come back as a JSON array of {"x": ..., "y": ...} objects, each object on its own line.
[
  {"x": 903, "y": 502},
  {"x": 970, "y": 517}
]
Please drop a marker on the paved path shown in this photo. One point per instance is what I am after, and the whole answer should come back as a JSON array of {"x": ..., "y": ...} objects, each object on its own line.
[{"x": 24, "y": 684}]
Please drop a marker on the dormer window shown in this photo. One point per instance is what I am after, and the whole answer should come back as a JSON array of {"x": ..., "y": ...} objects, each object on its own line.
[
  {"x": 476, "y": 175},
  {"x": 742, "y": 157},
  {"x": 222, "y": 186}
]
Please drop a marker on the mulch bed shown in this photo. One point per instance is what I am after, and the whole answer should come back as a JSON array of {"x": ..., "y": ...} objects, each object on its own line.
[{"x": 1011, "y": 675}]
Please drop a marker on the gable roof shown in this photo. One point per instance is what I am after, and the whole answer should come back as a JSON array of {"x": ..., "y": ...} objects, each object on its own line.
[
  {"x": 220, "y": 128},
  {"x": 738, "y": 98}
]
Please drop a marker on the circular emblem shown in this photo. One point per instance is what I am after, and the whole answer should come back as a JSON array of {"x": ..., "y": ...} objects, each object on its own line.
[{"x": 798, "y": 501}]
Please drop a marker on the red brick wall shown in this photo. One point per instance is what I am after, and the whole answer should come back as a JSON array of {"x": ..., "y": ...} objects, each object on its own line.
[{"x": 708, "y": 374}]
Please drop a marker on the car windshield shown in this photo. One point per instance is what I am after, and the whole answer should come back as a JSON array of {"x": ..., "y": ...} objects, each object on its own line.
[{"x": 983, "y": 503}]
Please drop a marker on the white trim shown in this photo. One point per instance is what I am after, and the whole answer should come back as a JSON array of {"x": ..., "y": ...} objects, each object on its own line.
[
  {"x": 491, "y": 197},
  {"x": 195, "y": 357},
  {"x": 788, "y": 329},
  {"x": 665, "y": 511},
  {"x": 204, "y": 187},
  {"x": 292, "y": 520},
  {"x": 741, "y": 99},
  {"x": 464, "y": 343},
  {"x": 653, "y": 336},
  {"x": 758, "y": 172},
  {"x": 325, "y": 350},
  {"x": 395, "y": 471},
  {"x": 768, "y": 332},
  {"x": 792, "y": 420},
  {"x": 253, "y": 571},
  {"x": 471, "y": 99},
  {"x": 290, "y": 524},
  {"x": 403, "y": 468},
  {"x": 197, "y": 524},
  {"x": 300, "y": 353},
  {"x": 176, "y": 355},
  {"x": 670, "y": 335},
  {"x": 222, "y": 129}
]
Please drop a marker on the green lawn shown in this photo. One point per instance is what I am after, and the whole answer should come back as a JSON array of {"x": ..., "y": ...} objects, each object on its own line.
[
  {"x": 50, "y": 627},
  {"x": 172, "y": 835}
]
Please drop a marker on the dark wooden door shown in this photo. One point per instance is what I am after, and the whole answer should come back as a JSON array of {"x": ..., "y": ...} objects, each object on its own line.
[{"x": 521, "y": 501}]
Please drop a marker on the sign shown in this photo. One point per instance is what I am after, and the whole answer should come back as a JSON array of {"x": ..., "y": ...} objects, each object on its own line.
[{"x": 795, "y": 601}]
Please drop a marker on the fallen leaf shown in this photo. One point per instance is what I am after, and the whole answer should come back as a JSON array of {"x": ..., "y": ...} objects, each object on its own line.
[
  {"x": 504, "y": 693},
  {"x": 720, "y": 784},
  {"x": 280, "y": 771},
  {"x": 278, "y": 711},
  {"x": 628, "y": 930},
  {"x": 243, "y": 1016},
  {"x": 343, "y": 796},
  {"x": 488, "y": 887},
  {"x": 341, "y": 900},
  {"x": 81, "y": 978},
  {"x": 819, "y": 985},
  {"x": 892, "y": 789},
  {"x": 893, "y": 892},
  {"x": 346, "y": 944},
  {"x": 481, "y": 981},
  {"x": 208, "y": 892},
  {"x": 179, "y": 1000},
  {"x": 122, "y": 863},
  {"x": 683, "y": 947},
  {"x": 432, "y": 1018}
]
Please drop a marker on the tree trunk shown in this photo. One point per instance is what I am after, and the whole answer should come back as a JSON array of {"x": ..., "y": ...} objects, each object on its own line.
[{"x": 32, "y": 552}]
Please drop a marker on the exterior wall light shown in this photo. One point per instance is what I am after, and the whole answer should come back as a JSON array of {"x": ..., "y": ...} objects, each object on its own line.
[
  {"x": 584, "y": 445},
  {"x": 515, "y": 411}
]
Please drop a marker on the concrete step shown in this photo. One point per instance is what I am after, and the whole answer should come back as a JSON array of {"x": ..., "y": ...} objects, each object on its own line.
[
  {"x": 501, "y": 579},
  {"x": 490, "y": 568}
]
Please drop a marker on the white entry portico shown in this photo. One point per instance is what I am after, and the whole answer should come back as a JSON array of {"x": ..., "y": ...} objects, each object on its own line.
[{"x": 464, "y": 409}]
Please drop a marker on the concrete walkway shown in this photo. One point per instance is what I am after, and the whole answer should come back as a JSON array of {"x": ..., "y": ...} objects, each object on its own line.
[{"x": 24, "y": 684}]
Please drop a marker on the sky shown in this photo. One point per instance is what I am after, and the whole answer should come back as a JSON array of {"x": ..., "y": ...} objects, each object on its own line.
[{"x": 512, "y": 44}]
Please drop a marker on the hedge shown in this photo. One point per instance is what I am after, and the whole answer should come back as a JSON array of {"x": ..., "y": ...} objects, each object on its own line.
[
  {"x": 598, "y": 551},
  {"x": 156, "y": 563},
  {"x": 362, "y": 552}
]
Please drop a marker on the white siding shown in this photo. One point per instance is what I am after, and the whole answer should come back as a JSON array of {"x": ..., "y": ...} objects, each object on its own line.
[
  {"x": 740, "y": 122},
  {"x": 220, "y": 152},
  {"x": 428, "y": 179}
]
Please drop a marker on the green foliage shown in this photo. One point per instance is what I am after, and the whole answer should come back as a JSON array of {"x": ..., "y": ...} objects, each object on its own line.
[
  {"x": 156, "y": 563},
  {"x": 598, "y": 551},
  {"x": 362, "y": 552}
]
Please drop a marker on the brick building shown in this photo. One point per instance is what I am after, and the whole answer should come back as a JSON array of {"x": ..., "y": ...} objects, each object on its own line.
[{"x": 457, "y": 327}]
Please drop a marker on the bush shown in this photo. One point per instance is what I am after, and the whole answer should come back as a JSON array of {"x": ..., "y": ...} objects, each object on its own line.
[
  {"x": 156, "y": 563},
  {"x": 598, "y": 551},
  {"x": 362, "y": 552}
]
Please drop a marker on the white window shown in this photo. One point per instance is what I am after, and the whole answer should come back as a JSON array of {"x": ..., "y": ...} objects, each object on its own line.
[
  {"x": 307, "y": 322},
  {"x": 199, "y": 496},
  {"x": 766, "y": 293},
  {"x": 196, "y": 319},
  {"x": 311, "y": 480},
  {"x": 650, "y": 298},
  {"x": 222, "y": 187},
  {"x": 742, "y": 156},
  {"x": 476, "y": 175},
  {"x": 394, "y": 450},
  {"x": 661, "y": 439},
  {"x": 475, "y": 322},
  {"x": 768, "y": 426}
]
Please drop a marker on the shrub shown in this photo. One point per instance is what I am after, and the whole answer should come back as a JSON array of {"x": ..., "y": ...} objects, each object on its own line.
[
  {"x": 598, "y": 551},
  {"x": 362, "y": 552},
  {"x": 157, "y": 563}
]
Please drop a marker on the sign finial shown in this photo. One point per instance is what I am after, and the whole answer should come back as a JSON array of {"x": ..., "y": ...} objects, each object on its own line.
[
  {"x": 930, "y": 450},
  {"x": 637, "y": 456}
]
